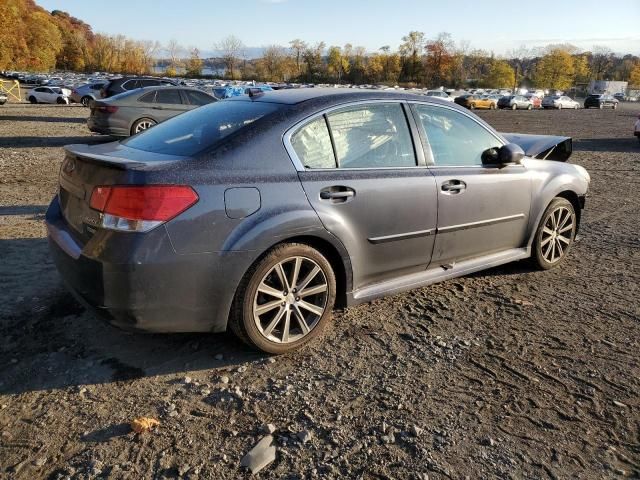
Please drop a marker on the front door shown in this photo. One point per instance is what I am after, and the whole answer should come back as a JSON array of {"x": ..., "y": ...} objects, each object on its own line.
[
  {"x": 169, "y": 103},
  {"x": 481, "y": 209},
  {"x": 362, "y": 175}
]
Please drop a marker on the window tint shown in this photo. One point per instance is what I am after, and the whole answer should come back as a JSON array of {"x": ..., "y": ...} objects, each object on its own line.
[
  {"x": 130, "y": 85},
  {"x": 372, "y": 136},
  {"x": 170, "y": 95},
  {"x": 455, "y": 139},
  {"x": 313, "y": 145},
  {"x": 148, "y": 97},
  {"x": 199, "y": 129},
  {"x": 198, "y": 98},
  {"x": 148, "y": 83}
]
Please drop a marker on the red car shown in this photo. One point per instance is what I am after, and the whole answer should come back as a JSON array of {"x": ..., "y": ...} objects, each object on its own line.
[{"x": 537, "y": 101}]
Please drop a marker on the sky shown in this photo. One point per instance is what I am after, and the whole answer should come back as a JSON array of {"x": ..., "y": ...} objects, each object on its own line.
[{"x": 493, "y": 25}]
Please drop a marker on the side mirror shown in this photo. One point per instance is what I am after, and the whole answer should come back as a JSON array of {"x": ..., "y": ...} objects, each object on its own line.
[{"x": 509, "y": 154}]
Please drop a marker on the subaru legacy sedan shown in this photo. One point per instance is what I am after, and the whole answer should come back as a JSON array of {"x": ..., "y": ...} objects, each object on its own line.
[{"x": 261, "y": 213}]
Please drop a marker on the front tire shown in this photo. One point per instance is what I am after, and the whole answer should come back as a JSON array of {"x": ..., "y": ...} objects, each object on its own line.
[
  {"x": 86, "y": 100},
  {"x": 284, "y": 300},
  {"x": 60, "y": 101},
  {"x": 514, "y": 107},
  {"x": 529, "y": 107},
  {"x": 555, "y": 234},
  {"x": 33, "y": 100}
]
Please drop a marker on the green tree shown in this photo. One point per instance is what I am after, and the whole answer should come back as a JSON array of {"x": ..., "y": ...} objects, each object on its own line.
[
  {"x": 411, "y": 50},
  {"x": 194, "y": 63},
  {"x": 501, "y": 75},
  {"x": 337, "y": 64},
  {"x": 555, "y": 70}
]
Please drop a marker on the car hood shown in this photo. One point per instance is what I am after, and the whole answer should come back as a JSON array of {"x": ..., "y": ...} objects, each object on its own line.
[{"x": 543, "y": 147}]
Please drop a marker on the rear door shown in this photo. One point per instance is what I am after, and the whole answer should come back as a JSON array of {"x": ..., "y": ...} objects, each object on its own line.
[
  {"x": 169, "y": 103},
  {"x": 370, "y": 186},
  {"x": 481, "y": 209}
]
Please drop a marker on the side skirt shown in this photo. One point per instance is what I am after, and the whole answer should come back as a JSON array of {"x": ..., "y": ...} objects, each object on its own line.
[{"x": 434, "y": 275}]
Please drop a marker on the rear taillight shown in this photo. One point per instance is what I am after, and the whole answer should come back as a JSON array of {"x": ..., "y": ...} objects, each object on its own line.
[
  {"x": 106, "y": 108},
  {"x": 139, "y": 208}
]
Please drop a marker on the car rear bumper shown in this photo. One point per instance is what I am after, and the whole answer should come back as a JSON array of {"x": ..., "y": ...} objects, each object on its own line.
[
  {"x": 138, "y": 282},
  {"x": 103, "y": 127}
]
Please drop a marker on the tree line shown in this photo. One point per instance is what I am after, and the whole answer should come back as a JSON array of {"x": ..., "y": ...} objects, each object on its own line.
[{"x": 34, "y": 39}]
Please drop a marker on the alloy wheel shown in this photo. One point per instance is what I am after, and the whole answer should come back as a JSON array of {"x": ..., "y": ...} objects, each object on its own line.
[
  {"x": 290, "y": 300},
  {"x": 557, "y": 234},
  {"x": 144, "y": 125}
]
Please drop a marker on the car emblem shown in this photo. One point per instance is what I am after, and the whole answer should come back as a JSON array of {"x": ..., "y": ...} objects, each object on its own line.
[{"x": 69, "y": 166}]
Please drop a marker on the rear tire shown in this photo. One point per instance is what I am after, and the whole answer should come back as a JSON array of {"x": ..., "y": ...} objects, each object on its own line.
[
  {"x": 142, "y": 124},
  {"x": 33, "y": 100},
  {"x": 601, "y": 106},
  {"x": 576, "y": 106},
  {"x": 86, "y": 101},
  {"x": 615, "y": 106},
  {"x": 472, "y": 106},
  {"x": 293, "y": 319},
  {"x": 529, "y": 107},
  {"x": 60, "y": 101},
  {"x": 555, "y": 234}
]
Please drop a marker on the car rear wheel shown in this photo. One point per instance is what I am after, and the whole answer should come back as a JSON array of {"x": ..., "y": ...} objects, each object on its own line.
[
  {"x": 492, "y": 106},
  {"x": 529, "y": 107},
  {"x": 142, "y": 124},
  {"x": 559, "y": 106},
  {"x": 555, "y": 234},
  {"x": 33, "y": 99},
  {"x": 615, "y": 105},
  {"x": 60, "y": 101},
  {"x": 514, "y": 107},
  {"x": 575, "y": 107},
  {"x": 601, "y": 106},
  {"x": 86, "y": 100},
  {"x": 285, "y": 299}
]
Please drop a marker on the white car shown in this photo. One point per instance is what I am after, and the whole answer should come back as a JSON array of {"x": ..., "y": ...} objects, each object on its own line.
[
  {"x": 439, "y": 94},
  {"x": 49, "y": 95},
  {"x": 559, "y": 102}
]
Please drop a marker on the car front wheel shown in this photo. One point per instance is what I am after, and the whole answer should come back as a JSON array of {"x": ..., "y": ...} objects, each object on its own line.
[
  {"x": 555, "y": 234},
  {"x": 33, "y": 100},
  {"x": 285, "y": 300},
  {"x": 514, "y": 107},
  {"x": 86, "y": 100}
]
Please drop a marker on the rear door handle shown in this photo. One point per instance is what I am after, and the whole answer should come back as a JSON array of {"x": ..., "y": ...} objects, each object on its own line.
[
  {"x": 453, "y": 186},
  {"x": 338, "y": 194}
]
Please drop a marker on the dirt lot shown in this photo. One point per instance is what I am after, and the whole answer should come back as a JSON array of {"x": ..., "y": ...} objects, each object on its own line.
[{"x": 509, "y": 373}]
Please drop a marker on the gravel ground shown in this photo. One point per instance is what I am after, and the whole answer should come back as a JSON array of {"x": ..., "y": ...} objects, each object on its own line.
[{"x": 508, "y": 373}]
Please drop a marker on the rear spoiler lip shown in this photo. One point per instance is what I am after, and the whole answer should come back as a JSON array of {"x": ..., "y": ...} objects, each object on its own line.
[
  {"x": 542, "y": 147},
  {"x": 85, "y": 152}
]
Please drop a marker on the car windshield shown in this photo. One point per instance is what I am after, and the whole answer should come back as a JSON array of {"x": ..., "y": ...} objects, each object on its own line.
[{"x": 199, "y": 129}]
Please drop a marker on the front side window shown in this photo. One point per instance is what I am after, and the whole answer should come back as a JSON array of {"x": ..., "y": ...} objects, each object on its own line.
[
  {"x": 455, "y": 138},
  {"x": 372, "y": 136},
  {"x": 312, "y": 145},
  {"x": 130, "y": 85}
]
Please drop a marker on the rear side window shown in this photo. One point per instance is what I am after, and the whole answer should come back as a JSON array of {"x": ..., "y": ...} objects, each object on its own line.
[
  {"x": 372, "y": 136},
  {"x": 199, "y": 129},
  {"x": 455, "y": 139},
  {"x": 170, "y": 96},
  {"x": 312, "y": 144},
  {"x": 148, "y": 97},
  {"x": 198, "y": 98}
]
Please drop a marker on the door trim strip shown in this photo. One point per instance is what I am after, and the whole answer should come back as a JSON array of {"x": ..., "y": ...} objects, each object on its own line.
[
  {"x": 402, "y": 236},
  {"x": 481, "y": 223}
]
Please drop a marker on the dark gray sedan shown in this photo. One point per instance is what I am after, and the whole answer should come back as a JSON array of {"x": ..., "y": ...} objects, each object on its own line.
[
  {"x": 136, "y": 110},
  {"x": 260, "y": 213}
]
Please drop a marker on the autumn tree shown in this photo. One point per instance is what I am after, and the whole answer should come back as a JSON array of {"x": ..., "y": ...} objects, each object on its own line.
[
  {"x": 439, "y": 59},
  {"x": 231, "y": 49},
  {"x": 194, "y": 63},
  {"x": 411, "y": 50},
  {"x": 298, "y": 48},
  {"x": 337, "y": 64},
  {"x": 312, "y": 56},
  {"x": 634, "y": 76},
  {"x": 275, "y": 65},
  {"x": 555, "y": 70},
  {"x": 501, "y": 75}
]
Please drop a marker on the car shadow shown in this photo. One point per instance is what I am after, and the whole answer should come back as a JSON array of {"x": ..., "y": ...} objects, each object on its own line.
[
  {"x": 31, "y": 142},
  {"x": 23, "y": 210},
  {"x": 627, "y": 144},
  {"x": 30, "y": 118},
  {"x": 50, "y": 341}
]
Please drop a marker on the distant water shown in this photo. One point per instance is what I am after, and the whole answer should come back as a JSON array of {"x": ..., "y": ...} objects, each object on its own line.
[{"x": 205, "y": 71}]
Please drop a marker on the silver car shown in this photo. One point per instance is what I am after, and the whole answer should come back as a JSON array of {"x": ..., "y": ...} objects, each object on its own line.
[
  {"x": 559, "y": 102},
  {"x": 87, "y": 93},
  {"x": 131, "y": 112},
  {"x": 261, "y": 212}
]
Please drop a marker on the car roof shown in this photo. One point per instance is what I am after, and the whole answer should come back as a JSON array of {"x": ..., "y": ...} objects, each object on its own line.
[{"x": 329, "y": 95}]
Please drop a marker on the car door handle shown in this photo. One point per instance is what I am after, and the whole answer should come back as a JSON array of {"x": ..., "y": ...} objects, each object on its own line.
[
  {"x": 337, "y": 194},
  {"x": 453, "y": 186}
]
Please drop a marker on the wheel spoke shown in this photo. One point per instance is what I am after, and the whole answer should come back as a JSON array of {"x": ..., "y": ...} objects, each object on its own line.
[
  {"x": 553, "y": 251},
  {"x": 568, "y": 227},
  {"x": 559, "y": 247},
  {"x": 267, "y": 307},
  {"x": 264, "y": 288},
  {"x": 287, "y": 326},
  {"x": 296, "y": 272},
  {"x": 548, "y": 231},
  {"x": 283, "y": 277},
  {"x": 313, "y": 290},
  {"x": 566, "y": 219},
  {"x": 301, "y": 321},
  {"x": 309, "y": 277},
  {"x": 275, "y": 321},
  {"x": 545, "y": 241},
  {"x": 311, "y": 307},
  {"x": 563, "y": 239}
]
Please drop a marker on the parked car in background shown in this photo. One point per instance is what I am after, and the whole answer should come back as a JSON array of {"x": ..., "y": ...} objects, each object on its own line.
[
  {"x": 85, "y": 94},
  {"x": 494, "y": 97},
  {"x": 559, "y": 102},
  {"x": 473, "y": 101},
  {"x": 535, "y": 100},
  {"x": 124, "y": 84},
  {"x": 49, "y": 95},
  {"x": 515, "y": 102},
  {"x": 255, "y": 214},
  {"x": 600, "y": 101},
  {"x": 439, "y": 94},
  {"x": 132, "y": 112},
  {"x": 636, "y": 128},
  {"x": 3, "y": 98},
  {"x": 621, "y": 97},
  {"x": 536, "y": 92}
]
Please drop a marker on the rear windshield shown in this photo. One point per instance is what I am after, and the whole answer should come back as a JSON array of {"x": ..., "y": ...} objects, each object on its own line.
[{"x": 199, "y": 129}]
